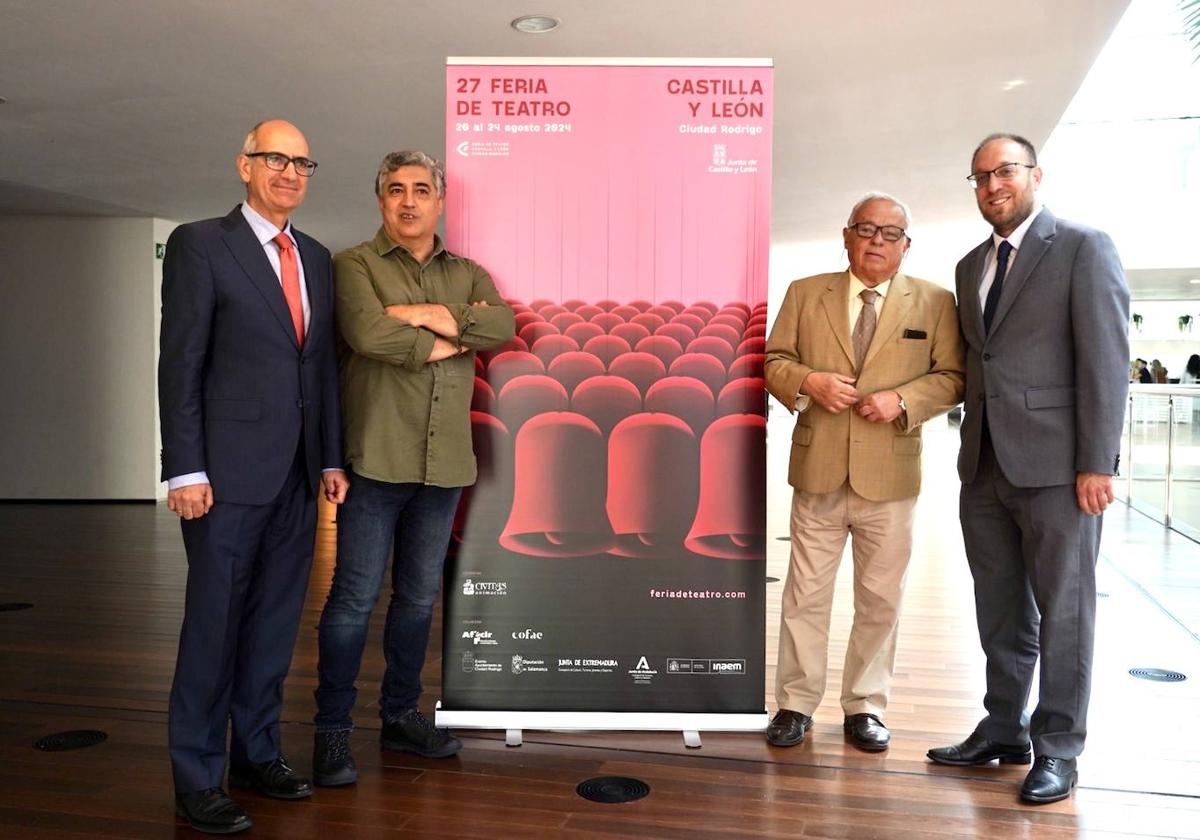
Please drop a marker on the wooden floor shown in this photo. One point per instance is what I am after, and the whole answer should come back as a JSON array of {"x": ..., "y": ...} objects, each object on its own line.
[{"x": 97, "y": 651}]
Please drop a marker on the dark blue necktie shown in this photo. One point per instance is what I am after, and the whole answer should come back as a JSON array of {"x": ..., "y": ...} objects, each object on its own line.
[{"x": 993, "y": 297}]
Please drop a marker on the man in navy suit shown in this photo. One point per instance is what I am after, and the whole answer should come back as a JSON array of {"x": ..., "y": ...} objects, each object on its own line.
[{"x": 248, "y": 394}]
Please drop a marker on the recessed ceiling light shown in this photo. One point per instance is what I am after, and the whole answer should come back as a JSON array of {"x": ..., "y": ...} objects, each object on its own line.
[
  {"x": 1012, "y": 84},
  {"x": 535, "y": 24},
  {"x": 1195, "y": 281}
]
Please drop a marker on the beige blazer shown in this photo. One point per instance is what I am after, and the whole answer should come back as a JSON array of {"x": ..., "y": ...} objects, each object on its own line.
[{"x": 917, "y": 351}]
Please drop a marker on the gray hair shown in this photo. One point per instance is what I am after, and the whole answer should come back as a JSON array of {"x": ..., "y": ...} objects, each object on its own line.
[
  {"x": 1005, "y": 135},
  {"x": 250, "y": 144},
  {"x": 394, "y": 160},
  {"x": 880, "y": 196}
]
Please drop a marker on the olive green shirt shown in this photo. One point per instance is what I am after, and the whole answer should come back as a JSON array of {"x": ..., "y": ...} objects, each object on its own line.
[{"x": 404, "y": 418}]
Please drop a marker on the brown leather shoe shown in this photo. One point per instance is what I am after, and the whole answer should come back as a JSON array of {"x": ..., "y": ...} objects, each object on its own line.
[
  {"x": 787, "y": 728},
  {"x": 867, "y": 732}
]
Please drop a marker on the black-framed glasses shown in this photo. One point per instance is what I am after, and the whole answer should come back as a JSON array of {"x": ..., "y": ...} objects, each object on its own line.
[
  {"x": 279, "y": 162},
  {"x": 1003, "y": 172},
  {"x": 867, "y": 230}
]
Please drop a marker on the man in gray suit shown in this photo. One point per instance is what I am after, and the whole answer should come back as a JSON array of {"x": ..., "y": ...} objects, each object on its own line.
[{"x": 1044, "y": 309}]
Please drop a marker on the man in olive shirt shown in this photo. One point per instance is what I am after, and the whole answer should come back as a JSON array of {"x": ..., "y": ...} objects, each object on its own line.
[{"x": 411, "y": 315}]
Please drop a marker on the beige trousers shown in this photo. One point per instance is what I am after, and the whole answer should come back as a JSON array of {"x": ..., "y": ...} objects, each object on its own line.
[{"x": 882, "y": 543}]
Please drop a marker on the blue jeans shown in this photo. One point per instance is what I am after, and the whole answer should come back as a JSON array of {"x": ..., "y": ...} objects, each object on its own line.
[{"x": 412, "y": 522}]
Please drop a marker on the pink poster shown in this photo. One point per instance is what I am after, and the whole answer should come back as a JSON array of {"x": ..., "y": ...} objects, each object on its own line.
[{"x": 623, "y": 208}]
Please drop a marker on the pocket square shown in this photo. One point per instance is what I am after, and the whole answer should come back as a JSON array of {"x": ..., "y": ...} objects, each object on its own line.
[{"x": 915, "y": 334}]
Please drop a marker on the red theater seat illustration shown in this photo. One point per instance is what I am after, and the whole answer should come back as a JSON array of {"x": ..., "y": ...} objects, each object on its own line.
[
  {"x": 532, "y": 332},
  {"x": 640, "y": 305},
  {"x": 606, "y": 400},
  {"x": 606, "y": 320},
  {"x": 582, "y": 332},
  {"x": 588, "y": 311},
  {"x": 693, "y": 322},
  {"x": 606, "y": 347},
  {"x": 483, "y": 398},
  {"x": 551, "y": 309},
  {"x": 684, "y": 397},
  {"x": 737, "y": 306},
  {"x": 728, "y": 333},
  {"x": 706, "y": 304},
  {"x": 648, "y": 320},
  {"x": 529, "y": 396},
  {"x": 725, "y": 319},
  {"x": 664, "y": 312},
  {"x": 663, "y": 346},
  {"x": 653, "y": 484},
  {"x": 538, "y": 303},
  {"x": 626, "y": 311},
  {"x": 708, "y": 369},
  {"x": 548, "y": 347},
  {"x": 680, "y": 332},
  {"x": 607, "y": 304},
  {"x": 642, "y": 369},
  {"x": 572, "y": 368},
  {"x": 524, "y": 319},
  {"x": 675, "y": 305},
  {"x": 560, "y": 476},
  {"x": 714, "y": 346},
  {"x": 757, "y": 331},
  {"x": 730, "y": 518},
  {"x": 757, "y": 321},
  {"x": 703, "y": 313},
  {"x": 479, "y": 365},
  {"x": 517, "y": 306},
  {"x": 565, "y": 319},
  {"x": 742, "y": 396},
  {"x": 758, "y": 344},
  {"x": 483, "y": 508},
  {"x": 510, "y": 365},
  {"x": 750, "y": 364},
  {"x": 574, "y": 304},
  {"x": 632, "y": 333}
]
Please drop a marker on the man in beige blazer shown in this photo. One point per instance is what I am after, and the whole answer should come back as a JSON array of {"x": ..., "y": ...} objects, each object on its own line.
[{"x": 865, "y": 357}]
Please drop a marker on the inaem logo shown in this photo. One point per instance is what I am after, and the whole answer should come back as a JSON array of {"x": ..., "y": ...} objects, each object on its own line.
[
  {"x": 468, "y": 587},
  {"x": 718, "y": 154},
  {"x": 463, "y": 148}
]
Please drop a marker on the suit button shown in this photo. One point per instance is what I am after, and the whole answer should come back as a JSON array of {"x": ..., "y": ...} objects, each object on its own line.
[
  {"x": 299, "y": 403},
  {"x": 987, "y": 357}
]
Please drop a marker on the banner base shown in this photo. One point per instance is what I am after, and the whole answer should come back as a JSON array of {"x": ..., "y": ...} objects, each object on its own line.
[{"x": 690, "y": 724}]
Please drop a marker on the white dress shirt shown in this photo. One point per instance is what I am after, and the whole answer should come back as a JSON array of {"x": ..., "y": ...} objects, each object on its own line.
[{"x": 1014, "y": 239}]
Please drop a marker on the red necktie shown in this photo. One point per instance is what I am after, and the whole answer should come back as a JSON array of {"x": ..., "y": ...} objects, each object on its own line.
[{"x": 289, "y": 273}]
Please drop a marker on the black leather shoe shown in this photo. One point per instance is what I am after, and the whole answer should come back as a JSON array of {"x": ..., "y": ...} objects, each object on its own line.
[
  {"x": 333, "y": 763},
  {"x": 271, "y": 778},
  {"x": 211, "y": 811},
  {"x": 979, "y": 750},
  {"x": 412, "y": 732},
  {"x": 787, "y": 728},
  {"x": 867, "y": 732},
  {"x": 1049, "y": 780}
]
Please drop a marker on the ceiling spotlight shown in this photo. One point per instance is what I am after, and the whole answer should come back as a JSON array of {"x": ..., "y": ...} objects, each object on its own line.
[
  {"x": 535, "y": 24},
  {"x": 1195, "y": 281},
  {"x": 1012, "y": 84}
]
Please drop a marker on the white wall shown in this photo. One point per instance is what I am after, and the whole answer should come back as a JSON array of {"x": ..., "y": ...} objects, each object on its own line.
[{"x": 78, "y": 328}]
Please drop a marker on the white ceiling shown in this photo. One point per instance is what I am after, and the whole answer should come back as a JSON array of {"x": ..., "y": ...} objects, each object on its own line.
[{"x": 129, "y": 107}]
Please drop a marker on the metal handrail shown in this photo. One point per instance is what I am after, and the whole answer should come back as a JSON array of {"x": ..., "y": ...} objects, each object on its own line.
[{"x": 1171, "y": 392}]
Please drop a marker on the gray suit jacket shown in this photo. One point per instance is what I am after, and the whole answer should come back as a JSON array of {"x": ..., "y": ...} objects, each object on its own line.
[{"x": 1053, "y": 371}]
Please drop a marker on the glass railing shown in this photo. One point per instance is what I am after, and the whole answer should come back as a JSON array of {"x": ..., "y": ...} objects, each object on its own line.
[{"x": 1160, "y": 455}]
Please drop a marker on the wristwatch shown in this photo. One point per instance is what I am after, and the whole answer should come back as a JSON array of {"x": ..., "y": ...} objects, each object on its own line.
[{"x": 903, "y": 407}]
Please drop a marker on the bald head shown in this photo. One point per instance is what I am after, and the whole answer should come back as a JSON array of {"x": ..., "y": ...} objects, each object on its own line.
[{"x": 272, "y": 193}]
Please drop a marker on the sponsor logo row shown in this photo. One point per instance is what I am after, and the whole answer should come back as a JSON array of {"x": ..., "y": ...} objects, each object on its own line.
[{"x": 642, "y": 673}]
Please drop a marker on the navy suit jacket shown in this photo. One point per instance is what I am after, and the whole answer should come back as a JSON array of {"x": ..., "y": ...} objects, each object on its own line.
[
  {"x": 1053, "y": 372},
  {"x": 236, "y": 389}
]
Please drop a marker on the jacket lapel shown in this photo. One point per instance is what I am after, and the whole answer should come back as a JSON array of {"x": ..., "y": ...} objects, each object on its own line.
[
  {"x": 248, "y": 252},
  {"x": 972, "y": 306},
  {"x": 834, "y": 302},
  {"x": 1033, "y": 247},
  {"x": 317, "y": 305},
  {"x": 896, "y": 306}
]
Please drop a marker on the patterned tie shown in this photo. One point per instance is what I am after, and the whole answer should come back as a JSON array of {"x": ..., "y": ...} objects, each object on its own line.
[
  {"x": 993, "y": 298},
  {"x": 289, "y": 274},
  {"x": 864, "y": 330}
]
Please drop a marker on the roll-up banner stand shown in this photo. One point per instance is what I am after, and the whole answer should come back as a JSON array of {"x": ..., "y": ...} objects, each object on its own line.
[{"x": 608, "y": 569}]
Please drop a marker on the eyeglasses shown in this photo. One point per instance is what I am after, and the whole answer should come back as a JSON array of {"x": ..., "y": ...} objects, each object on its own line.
[
  {"x": 1003, "y": 172},
  {"x": 279, "y": 162},
  {"x": 867, "y": 230}
]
